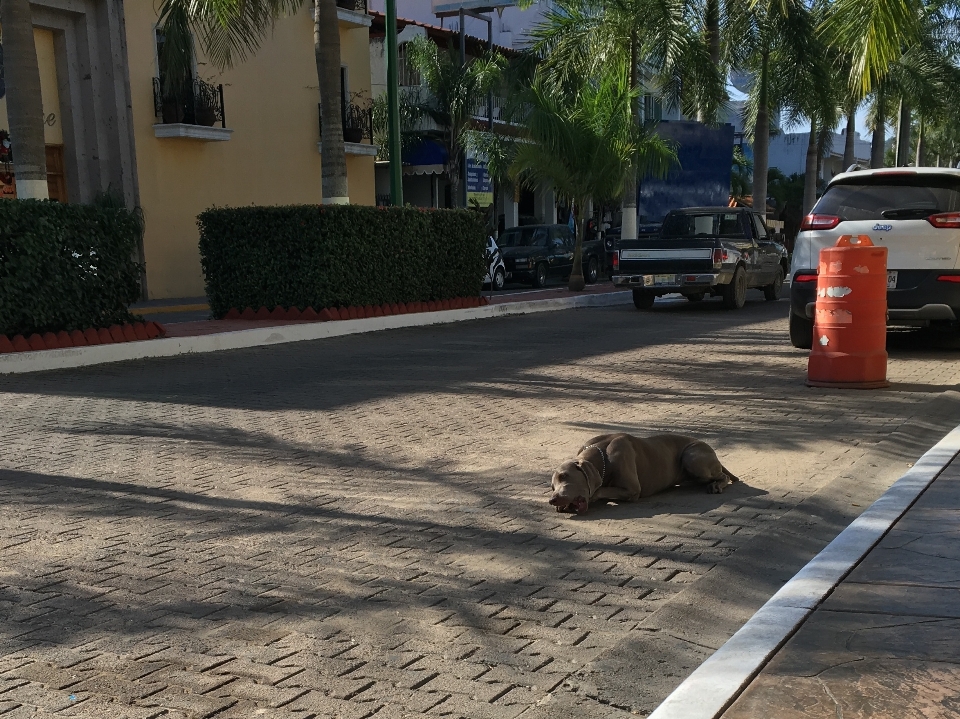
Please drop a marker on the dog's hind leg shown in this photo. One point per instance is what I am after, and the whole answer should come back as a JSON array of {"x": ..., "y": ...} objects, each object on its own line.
[{"x": 700, "y": 463}]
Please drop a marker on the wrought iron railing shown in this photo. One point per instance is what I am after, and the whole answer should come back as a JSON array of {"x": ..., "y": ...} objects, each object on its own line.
[
  {"x": 357, "y": 123},
  {"x": 198, "y": 103},
  {"x": 355, "y": 5}
]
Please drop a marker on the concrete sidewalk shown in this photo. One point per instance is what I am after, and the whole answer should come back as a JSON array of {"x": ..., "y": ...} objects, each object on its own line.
[{"x": 886, "y": 641}]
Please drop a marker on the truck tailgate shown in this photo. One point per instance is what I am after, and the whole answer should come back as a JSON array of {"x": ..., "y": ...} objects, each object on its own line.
[{"x": 656, "y": 256}]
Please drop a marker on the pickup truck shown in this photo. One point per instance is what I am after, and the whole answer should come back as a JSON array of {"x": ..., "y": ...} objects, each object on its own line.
[
  {"x": 703, "y": 251},
  {"x": 534, "y": 253}
]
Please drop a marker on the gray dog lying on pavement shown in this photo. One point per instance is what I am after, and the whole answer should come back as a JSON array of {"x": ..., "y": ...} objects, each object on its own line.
[{"x": 624, "y": 468}]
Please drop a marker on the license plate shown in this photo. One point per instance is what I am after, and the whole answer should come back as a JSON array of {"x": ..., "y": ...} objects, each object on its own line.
[
  {"x": 664, "y": 279},
  {"x": 891, "y": 279}
]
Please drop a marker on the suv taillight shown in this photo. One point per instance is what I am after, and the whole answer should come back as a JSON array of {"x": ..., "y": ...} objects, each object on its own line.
[
  {"x": 720, "y": 256},
  {"x": 945, "y": 220},
  {"x": 819, "y": 222},
  {"x": 805, "y": 277},
  {"x": 616, "y": 259}
]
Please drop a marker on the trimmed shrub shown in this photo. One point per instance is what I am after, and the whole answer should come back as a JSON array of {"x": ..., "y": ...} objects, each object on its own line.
[
  {"x": 66, "y": 267},
  {"x": 338, "y": 256}
]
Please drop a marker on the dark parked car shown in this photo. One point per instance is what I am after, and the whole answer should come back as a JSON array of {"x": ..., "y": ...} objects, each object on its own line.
[
  {"x": 534, "y": 253},
  {"x": 700, "y": 251}
]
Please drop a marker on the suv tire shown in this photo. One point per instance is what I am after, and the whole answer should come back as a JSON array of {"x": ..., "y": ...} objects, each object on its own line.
[
  {"x": 643, "y": 300},
  {"x": 801, "y": 332},
  {"x": 735, "y": 293},
  {"x": 593, "y": 271},
  {"x": 540, "y": 276}
]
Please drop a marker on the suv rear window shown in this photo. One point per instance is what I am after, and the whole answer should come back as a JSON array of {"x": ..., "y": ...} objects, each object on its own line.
[
  {"x": 707, "y": 224},
  {"x": 524, "y": 237},
  {"x": 892, "y": 197}
]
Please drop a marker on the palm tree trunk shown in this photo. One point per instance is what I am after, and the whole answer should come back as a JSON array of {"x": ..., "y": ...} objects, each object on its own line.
[
  {"x": 921, "y": 160},
  {"x": 711, "y": 18},
  {"x": 848, "y": 140},
  {"x": 713, "y": 30},
  {"x": 822, "y": 137},
  {"x": 761, "y": 139},
  {"x": 24, "y": 106},
  {"x": 628, "y": 208},
  {"x": 879, "y": 139},
  {"x": 326, "y": 47},
  {"x": 576, "y": 282},
  {"x": 903, "y": 134},
  {"x": 810, "y": 173}
]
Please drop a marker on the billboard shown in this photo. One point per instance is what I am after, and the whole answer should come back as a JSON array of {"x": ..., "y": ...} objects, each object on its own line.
[
  {"x": 702, "y": 177},
  {"x": 479, "y": 186}
]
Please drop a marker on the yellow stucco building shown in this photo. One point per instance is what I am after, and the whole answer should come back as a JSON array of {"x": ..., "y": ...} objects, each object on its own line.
[{"x": 249, "y": 135}]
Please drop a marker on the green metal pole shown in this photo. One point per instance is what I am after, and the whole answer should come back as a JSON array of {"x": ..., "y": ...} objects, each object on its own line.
[{"x": 393, "y": 104}]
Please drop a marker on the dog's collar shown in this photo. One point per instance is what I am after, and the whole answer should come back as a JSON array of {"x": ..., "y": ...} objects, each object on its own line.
[{"x": 603, "y": 458}]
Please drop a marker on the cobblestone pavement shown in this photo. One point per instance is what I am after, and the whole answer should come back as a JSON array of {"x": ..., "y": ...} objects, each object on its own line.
[{"x": 357, "y": 526}]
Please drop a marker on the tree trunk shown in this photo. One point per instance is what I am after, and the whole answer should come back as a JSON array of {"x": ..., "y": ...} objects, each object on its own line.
[
  {"x": 712, "y": 32},
  {"x": 810, "y": 173},
  {"x": 848, "y": 140},
  {"x": 628, "y": 208},
  {"x": 822, "y": 137},
  {"x": 576, "y": 282},
  {"x": 879, "y": 139},
  {"x": 761, "y": 139},
  {"x": 921, "y": 160},
  {"x": 24, "y": 106},
  {"x": 903, "y": 135},
  {"x": 326, "y": 47}
]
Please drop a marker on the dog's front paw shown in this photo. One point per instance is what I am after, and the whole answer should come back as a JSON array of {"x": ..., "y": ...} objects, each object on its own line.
[{"x": 718, "y": 486}]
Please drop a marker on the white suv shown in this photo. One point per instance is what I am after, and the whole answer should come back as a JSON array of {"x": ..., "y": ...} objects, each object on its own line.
[{"x": 915, "y": 213}]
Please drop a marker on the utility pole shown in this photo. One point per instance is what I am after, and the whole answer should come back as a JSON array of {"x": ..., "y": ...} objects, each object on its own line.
[{"x": 393, "y": 107}]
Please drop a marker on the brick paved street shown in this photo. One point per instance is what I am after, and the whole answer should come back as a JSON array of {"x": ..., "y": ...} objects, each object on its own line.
[{"x": 358, "y": 526}]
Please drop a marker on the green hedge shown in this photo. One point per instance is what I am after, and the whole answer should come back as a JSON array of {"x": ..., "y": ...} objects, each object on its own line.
[
  {"x": 66, "y": 267},
  {"x": 310, "y": 256}
]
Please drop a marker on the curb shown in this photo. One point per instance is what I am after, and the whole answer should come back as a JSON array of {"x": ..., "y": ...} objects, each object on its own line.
[
  {"x": 22, "y": 362},
  {"x": 710, "y": 690}
]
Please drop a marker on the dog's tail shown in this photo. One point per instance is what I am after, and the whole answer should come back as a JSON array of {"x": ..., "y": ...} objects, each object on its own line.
[{"x": 730, "y": 475}]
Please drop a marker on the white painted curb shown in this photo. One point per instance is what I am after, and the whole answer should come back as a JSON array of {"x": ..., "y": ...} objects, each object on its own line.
[
  {"x": 716, "y": 683},
  {"x": 21, "y": 362}
]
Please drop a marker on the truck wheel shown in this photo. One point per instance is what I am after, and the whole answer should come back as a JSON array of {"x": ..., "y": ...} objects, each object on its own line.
[
  {"x": 801, "y": 332},
  {"x": 735, "y": 294},
  {"x": 643, "y": 300},
  {"x": 771, "y": 293},
  {"x": 696, "y": 297},
  {"x": 499, "y": 279},
  {"x": 540, "y": 276},
  {"x": 593, "y": 271}
]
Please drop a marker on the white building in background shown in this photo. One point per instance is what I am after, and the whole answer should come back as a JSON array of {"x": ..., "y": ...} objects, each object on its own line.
[
  {"x": 788, "y": 153},
  {"x": 510, "y": 26}
]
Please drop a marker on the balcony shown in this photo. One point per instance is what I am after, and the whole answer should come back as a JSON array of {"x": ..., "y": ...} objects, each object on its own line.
[
  {"x": 353, "y": 13},
  {"x": 357, "y": 127},
  {"x": 191, "y": 112}
]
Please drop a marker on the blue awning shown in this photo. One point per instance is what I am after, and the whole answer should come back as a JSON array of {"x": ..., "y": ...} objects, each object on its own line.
[{"x": 427, "y": 152}]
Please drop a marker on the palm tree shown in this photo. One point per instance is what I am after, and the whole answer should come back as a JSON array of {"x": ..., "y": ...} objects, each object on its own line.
[
  {"x": 583, "y": 142},
  {"x": 24, "y": 107},
  {"x": 776, "y": 38},
  {"x": 578, "y": 38},
  {"x": 456, "y": 91},
  {"x": 229, "y": 31}
]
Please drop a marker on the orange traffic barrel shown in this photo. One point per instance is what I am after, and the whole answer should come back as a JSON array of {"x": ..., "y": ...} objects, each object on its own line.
[{"x": 850, "y": 321}]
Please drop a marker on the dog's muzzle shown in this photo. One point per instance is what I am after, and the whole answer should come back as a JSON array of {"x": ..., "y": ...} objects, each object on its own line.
[{"x": 578, "y": 505}]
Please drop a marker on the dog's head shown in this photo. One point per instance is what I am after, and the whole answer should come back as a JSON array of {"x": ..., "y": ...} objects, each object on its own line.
[{"x": 572, "y": 486}]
